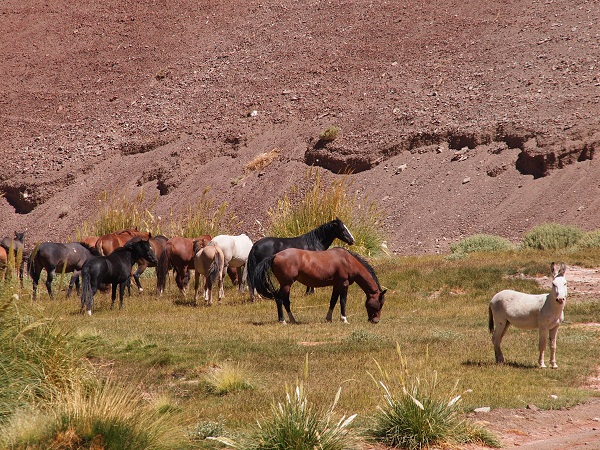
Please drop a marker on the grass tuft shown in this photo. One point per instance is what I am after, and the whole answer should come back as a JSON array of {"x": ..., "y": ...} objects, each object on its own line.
[{"x": 226, "y": 378}]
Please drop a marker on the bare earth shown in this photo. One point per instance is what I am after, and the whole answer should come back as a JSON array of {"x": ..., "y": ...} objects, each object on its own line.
[{"x": 456, "y": 118}]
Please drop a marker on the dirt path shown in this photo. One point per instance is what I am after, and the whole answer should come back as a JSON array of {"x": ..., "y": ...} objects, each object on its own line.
[{"x": 571, "y": 428}]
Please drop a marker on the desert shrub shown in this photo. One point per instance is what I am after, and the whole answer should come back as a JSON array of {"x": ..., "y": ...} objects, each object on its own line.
[
  {"x": 295, "y": 424},
  {"x": 225, "y": 378},
  {"x": 205, "y": 218},
  {"x": 38, "y": 358},
  {"x": 551, "y": 236},
  {"x": 329, "y": 134},
  {"x": 262, "y": 160},
  {"x": 325, "y": 202},
  {"x": 590, "y": 240},
  {"x": 419, "y": 413},
  {"x": 481, "y": 243}
]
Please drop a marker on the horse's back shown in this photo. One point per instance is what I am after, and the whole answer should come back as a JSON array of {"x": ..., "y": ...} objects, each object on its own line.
[{"x": 235, "y": 248}]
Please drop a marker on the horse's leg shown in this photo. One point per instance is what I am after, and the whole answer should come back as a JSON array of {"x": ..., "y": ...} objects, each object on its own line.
[
  {"x": 113, "y": 296},
  {"x": 499, "y": 332},
  {"x": 284, "y": 295},
  {"x": 136, "y": 275},
  {"x": 74, "y": 280},
  {"x": 122, "y": 291},
  {"x": 310, "y": 290},
  {"x": 332, "y": 302},
  {"x": 221, "y": 290},
  {"x": 240, "y": 277},
  {"x": 49, "y": 279},
  {"x": 36, "y": 280},
  {"x": 207, "y": 290},
  {"x": 196, "y": 286},
  {"x": 343, "y": 297},
  {"x": 552, "y": 334},
  {"x": 542, "y": 345}
]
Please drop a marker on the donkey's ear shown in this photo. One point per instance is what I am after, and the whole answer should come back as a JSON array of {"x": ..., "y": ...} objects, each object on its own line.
[
  {"x": 553, "y": 269},
  {"x": 563, "y": 269}
]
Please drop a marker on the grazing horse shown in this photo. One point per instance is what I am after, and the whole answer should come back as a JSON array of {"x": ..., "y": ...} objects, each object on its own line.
[
  {"x": 209, "y": 261},
  {"x": 158, "y": 245},
  {"x": 3, "y": 262},
  {"x": 528, "y": 312},
  {"x": 335, "y": 267},
  {"x": 110, "y": 242},
  {"x": 319, "y": 238},
  {"x": 235, "y": 250},
  {"x": 53, "y": 256},
  {"x": 179, "y": 255},
  {"x": 113, "y": 269}
]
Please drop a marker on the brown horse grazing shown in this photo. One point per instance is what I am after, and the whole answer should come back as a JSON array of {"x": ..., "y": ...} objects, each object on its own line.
[
  {"x": 335, "y": 267},
  {"x": 158, "y": 245},
  {"x": 179, "y": 255},
  {"x": 209, "y": 261},
  {"x": 110, "y": 242}
]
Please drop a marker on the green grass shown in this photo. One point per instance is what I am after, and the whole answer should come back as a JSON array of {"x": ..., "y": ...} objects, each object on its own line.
[{"x": 436, "y": 311}]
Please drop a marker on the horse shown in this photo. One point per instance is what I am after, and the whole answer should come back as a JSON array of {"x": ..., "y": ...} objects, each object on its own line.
[
  {"x": 209, "y": 261},
  {"x": 108, "y": 243},
  {"x": 335, "y": 267},
  {"x": 53, "y": 256},
  {"x": 89, "y": 240},
  {"x": 319, "y": 238},
  {"x": 3, "y": 262},
  {"x": 528, "y": 312},
  {"x": 158, "y": 245},
  {"x": 17, "y": 244},
  {"x": 113, "y": 269},
  {"x": 235, "y": 250},
  {"x": 179, "y": 255}
]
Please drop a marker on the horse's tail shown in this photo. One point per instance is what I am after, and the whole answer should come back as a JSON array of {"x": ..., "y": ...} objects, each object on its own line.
[
  {"x": 215, "y": 268},
  {"x": 31, "y": 262},
  {"x": 86, "y": 289},
  {"x": 260, "y": 278},
  {"x": 162, "y": 268},
  {"x": 251, "y": 264},
  {"x": 490, "y": 319}
]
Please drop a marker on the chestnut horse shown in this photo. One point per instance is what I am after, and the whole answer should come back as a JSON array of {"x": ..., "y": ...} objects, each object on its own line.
[
  {"x": 110, "y": 242},
  {"x": 178, "y": 254},
  {"x": 335, "y": 267}
]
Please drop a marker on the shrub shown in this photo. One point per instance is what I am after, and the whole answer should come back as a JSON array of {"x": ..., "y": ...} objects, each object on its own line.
[
  {"x": 226, "y": 378},
  {"x": 323, "y": 203},
  {"x": 296, "y": 425},
  {"x": 551, "y": 236},
  {"x": 590, "y": 240},
  {"x": 417, "y": 415},
  {"x": 481, "y": 243},
  {"x": 329, "y": 134}
]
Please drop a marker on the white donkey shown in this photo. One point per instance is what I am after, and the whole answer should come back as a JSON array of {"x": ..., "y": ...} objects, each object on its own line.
[{"x": 527, "y": 311}]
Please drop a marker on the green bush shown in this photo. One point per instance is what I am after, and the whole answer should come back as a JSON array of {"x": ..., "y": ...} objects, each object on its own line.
[
  {"x": 481, "y": 243},
  {"x": 590, "y": 240},
  {"x": 329, "y": 134},
  {"x": 325, "y": 202},
  {"x": 551, "y": 236}
]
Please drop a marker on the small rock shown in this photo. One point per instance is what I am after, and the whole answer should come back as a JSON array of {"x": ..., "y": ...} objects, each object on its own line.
[
  {"x": 554, "y": 397},
  {"x": 401, "y": 168},
  {"x": 483, "y": 409},
  {"x": 466, "y": 180}
]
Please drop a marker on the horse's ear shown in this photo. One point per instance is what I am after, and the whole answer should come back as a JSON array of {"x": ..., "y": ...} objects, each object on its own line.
[
  {"x": 563, "y": 269},
  {"x": 553, "y": 270}
]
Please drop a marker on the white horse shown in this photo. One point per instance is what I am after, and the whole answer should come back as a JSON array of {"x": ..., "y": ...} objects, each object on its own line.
[
  {"x": 528, "y": 312},
  {"x": 208, "y": 261},
  {"x": 236, "y": 250}
]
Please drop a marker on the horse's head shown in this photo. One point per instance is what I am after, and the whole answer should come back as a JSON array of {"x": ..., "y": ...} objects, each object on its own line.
[
  {"x": 342, "y": 232},
  {"x": 200, "y": 243},
  {"x": 374, "y": 305},
  {"x": 143, "y": 249}
]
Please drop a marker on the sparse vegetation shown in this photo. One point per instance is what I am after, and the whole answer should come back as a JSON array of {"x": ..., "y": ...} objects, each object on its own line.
[
  {"x": 552, "y": 236},
  {"x": 590, "y": 240},
  {"x": 322, "y": 203},
  {"x": 262, "y": 160},
  {"x": 329, "y": 134}
]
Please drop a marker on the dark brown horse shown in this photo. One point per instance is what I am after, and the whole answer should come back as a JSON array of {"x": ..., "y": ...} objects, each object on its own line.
[
  {"x": 336, "y": 267},
  {"x": 178, "y": 254},
  {"x": 110, "y": 242},
  {"x": 158, "y": 245}
]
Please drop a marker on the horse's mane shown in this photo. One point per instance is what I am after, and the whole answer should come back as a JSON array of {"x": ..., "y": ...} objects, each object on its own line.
[
  {"x": 315, "y": 236},
  {"x": 367, "y": 266}
]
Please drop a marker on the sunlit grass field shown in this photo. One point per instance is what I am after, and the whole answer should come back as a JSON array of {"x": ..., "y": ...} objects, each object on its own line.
[{"x": 435, "y": 314}]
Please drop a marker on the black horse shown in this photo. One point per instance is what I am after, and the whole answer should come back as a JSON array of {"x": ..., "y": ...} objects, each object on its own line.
[
  {"x": 56, "y": 256},
  {"x": 114, "y": 269},
  {"x": 319, "y": 238}
]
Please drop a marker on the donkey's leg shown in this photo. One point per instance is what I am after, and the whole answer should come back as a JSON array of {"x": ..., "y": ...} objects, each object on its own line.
[
  {"x": 49, "y": 279},
  {"x": 497, "y": 336},
  {"x": 552, "y": 335},
  {"x": 542, "y": 345}
]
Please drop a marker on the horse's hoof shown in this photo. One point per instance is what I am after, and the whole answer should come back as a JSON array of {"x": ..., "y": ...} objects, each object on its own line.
[
  {"x": 141, "y": 290},
  {"x": 89, "y": 312},
  {"x": 344, "y": 320},
  {"x": 554, "y": 366},
  {"x": 283, "y": 322}
]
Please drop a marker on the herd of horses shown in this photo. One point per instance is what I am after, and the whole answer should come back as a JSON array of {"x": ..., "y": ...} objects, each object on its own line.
[{"x": 97, "y": 262}]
